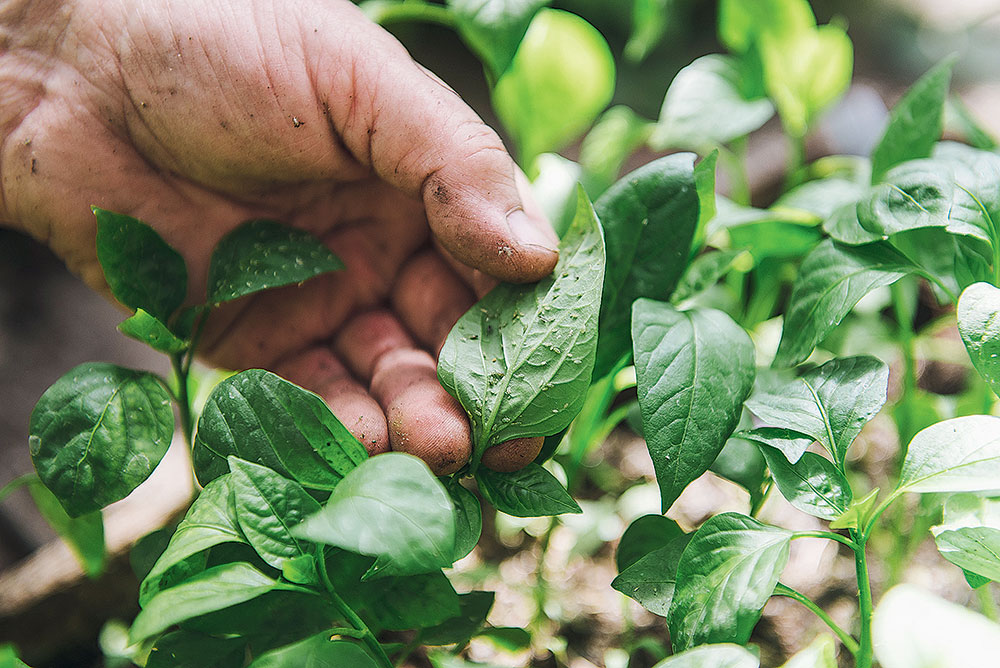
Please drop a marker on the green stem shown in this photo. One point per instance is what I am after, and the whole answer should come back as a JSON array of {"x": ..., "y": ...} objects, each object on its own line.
[
  {"x": 864, "y": 655},
  {"x": 830, "y": 535},
  {"x": 16, "y": 483},
  {"x": 796, "y": 161},
  {"x": 409, "y": 648},
  {"x": 987, "y": 604},
  {"x": 849, "y": 642},
  {"x": 183, "y": 398},
  {"x": 415, "y": 11},
  {"x": 541, "y": 586},
  {"x": 735, "y": 161},
  {"x": 758, "y": 505},
  {"x": 367, "y": 637}
]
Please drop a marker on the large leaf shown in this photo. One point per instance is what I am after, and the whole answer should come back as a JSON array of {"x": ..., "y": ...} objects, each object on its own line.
[
  {"x": 643, "y": 535},
  {"x": 521, "y": 359},
  {"x": 915, "y": 123},
  {"x": 694, "y": 369},
  {"x": 649, "y": 218},
  {"x": 493, "y": 29},
  {"x": 831, "y": 281},
  {"x": 215, "y": 589},
  {"x": 83, "y": 534},
  {"x": 651, "y": 579},
  {"x": 529, "y": 492},
  {"x": 318, "y": 651},
  {"x": 140, "y": 268},
  {"x": 915, "y": 194},
  {"x": 957, "y": 455},
  {"x": 723, "y": 655},
  {"x": 268, "y": 506},
  {"x": 263, "y": 254},
  {"x": 185, "y": 649},
  {"x": 743, "y": 23},
  {"x": 97, "y": 433},
  {"x": 561, "y": 78},
  {"x": 973, "y": 549},
  {"x": 830, "y": 403},
  {"x": 393, "y": 508},
  {"x": 414, "y": 601},
  {"x": 812, "y": 484},
  {"x": 979, "y": 325},
  {"x": 724, "y": 578},
  {"x": 258, "y": 416}
]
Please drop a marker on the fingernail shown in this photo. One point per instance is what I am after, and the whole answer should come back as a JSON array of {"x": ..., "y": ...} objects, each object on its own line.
[{"x": 528, "y": 233}]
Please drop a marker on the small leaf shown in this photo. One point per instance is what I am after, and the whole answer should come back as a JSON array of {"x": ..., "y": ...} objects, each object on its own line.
[
  {"x": 215, "y": 589},
  {"x": 957, "y": 455},
  {"x": 973, "y": 549},
  {"x": 813, "y": 484},
  {"x": 694, "y": 370},
  {"x": 468, "y": 519},
  {"x": 831, "y": 281},
  {"x": 83, "y": 534},
  {"x": 268, "y": 506},
  {"x": 725, "y": 576},
  {"x": 821, "y": 653},
  {"x": 9, "y": 659},
  {"x": 493, "y": 29},
  {"x": 318, "y": 651},
  {"x": 790, "y": 443},
  {"x": 97, "y": 433},
  {"x": 615, "y": 136},
  {"x": 712, "y": 656},
  {"x": 704, "y": 272},
  {"x": 649, "y": 23},
  {"x": 741, "y": 462},
  {"x": 822, "y": 197},
  {"x": 390, "y": 507},
  {"x": 186, "y": 649},
  {"x": 139, "y": 267},
  {"x": 979, "y": 325},
  {"x": 300, "y": 570},
  {"x": 643, "y": 535},
  {"x": 916, "y": 121},
  {"x": 149, "y": 330},
  {"x": 530, "y": 492},
  {"x": 260, "y": 417},
  {"x": 858, "y": 513},
  {"x": 474, "y": 607},
  {"x": 651, "y": 579}
]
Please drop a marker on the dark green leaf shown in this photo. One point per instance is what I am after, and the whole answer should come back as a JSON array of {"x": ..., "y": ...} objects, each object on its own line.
[
  {"x": 415, "y": 601},
  {"x": 790, "y": 443},
  {"x": 649, "y": 219},
  {"x": 651, "y": 579},
  {"x": 263, "y": 254},
  {"x": 975, "y": 173},
  {"x": 148, "y": 329},
  {"x": 184, "y": 649},
  {"x": 643, "y": 535},
  {"x": 468, "y": 519},
  {"x": 393, "y": 508},
  {"x": 956, "y": 261},
  {"x": 979, "y": 325},
  {"x": 83, "y": 534},
  {"x": 268, "y": 506},
  {"x": 493, "y": 29},
  {"x": 830, "y": 403},
  {"x": 260, "y": 417},
  {"x": 317, "y": 651},
  {"x": 215, "y": 589},
  {"x": 140, "y": 268},
  {"x": 145, "y": 551},
  {"x": 694, "y": 370},
  {"x": 812, "y": 484},
  {"x": 704, "y": 272},
  {"x": 97, "y": 433},
  {"x": 530, "y": 492},
  {"x": 724, "y": 578},
  {"x": 508, "y": 638},
  {"x": 474, "y": 607},
  {"x": 270, "y": 620},
  {"x": 520, "y": 360},
  {"x": 957, "y": 455},
  {"x": 915, "y": 123},
  {"x": 712, "y": 656},
  {"x": 831, "y": 281},
  {"x": 741, "y": 462}
]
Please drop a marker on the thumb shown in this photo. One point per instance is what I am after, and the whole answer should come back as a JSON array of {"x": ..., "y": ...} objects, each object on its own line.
[{"x": 419, "y": 136}]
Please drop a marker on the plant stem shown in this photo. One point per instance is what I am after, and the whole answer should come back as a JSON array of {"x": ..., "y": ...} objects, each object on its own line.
[
  {"x": 17, "y": 482},
  {"x": 987, "y": 604},
  {"x": 863, "y": 657},
  {"x": 830, "y": 535},
  {"x": 849, "y": 642},
  {"x": 735, "y": 160},
  {"x": 796, "y": 161},
  {"x": 183, "y": 398},
  {"x": 759, "y": 503},
  {"x": 367, "y": 637},
  {"x": 415, "y": 11},
  {"x": 541, "y": 586}
]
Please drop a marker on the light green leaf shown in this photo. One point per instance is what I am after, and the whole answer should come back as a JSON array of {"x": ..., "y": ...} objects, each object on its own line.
[
  {"x": 822, "y": 197},
  {"x": 742, "y": 23},
  {"x": 821, "y": 653},
  {"x": 615, "y": 136},
  {"x": 149, "y": 330},
  {"x": 649, "y": 23},
  {"x": 317, "y": 651},
  {"x": 390, "y": 507},
  {"x": 694, "y": 369},
  {"x": 722, "y": 655},
  {"x": 957, "y": 455},
  {"x": 493, "y": 29},
  {"x": 561, "y": 78},
  {"x": 519, "y": 361},
  {"x": 263, "y": 254},
  {"x": 812, "y": 484},
  {"x": 83, "y": 534},
  {"x": 530, "y": 492},
  {"x": 973, "y": 549},
  {"x": 9, "y": 659},
  {"x": 260, "y": 417},
  {"x": 979, "y": 325},
  {"x": 858, "y": 513},
  {"x": 918, "y": 193},
  {"x": 725, "y": 576},
  {"x": 651, "y": 579},
  {"x": 97, "y": 433}
]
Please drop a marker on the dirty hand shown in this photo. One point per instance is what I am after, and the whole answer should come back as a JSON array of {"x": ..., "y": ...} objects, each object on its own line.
[{"x": 195, "y": 117}]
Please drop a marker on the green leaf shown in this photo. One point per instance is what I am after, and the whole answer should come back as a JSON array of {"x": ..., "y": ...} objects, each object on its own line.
[
  {"x": 493, "y": 29},
  {"x": 83, "y": 534},
  {"x": 955, "y": 261},
  {"x": 268, "y": 506},
  {"x": 742, "y": 23},
  {"x": 918, "y": 193},
  {"x": 468, "y": 519},
  {"x": 416, "y": 601},
  {"x": 832, "y": 279},
  {"x": 694, "y": 369},
  {"x": 957, "y": 455},
  {"x": 812, "y": 484},
  {"x": 830, "y": 403},
  {"x": 651, "y": 579},
  {"x": 300, "y": 570},
  {"x": 185, "y": 649},
  {"x": 704, "y": 272},
  {"x": 145, "y": 551},
  {"x": 958, "y": 119},
  {"x": 976, "y": 201},
  {"x": 149, "y": 330},
  {"x": 263, "y": 254},
  {"x": 705, "y": 108},
  {"x": 643, "y": 535},
  {"x": 98, "y": 432},
  {"x": 712, "y": 656},
  {"x": 260, "y": 417},
  {"x": 914, "y": 629},
  {"x": 741, "y": 462},
  {"x": 649, "y": 23},
  {"x": 979, "y": 325},
  {"x": 215, "y": 589},
  {"x": 530, "y": 492},
  {"x": 916, "y": 121},
  {"x": 821, "y": 653},
  {"x": 8, "y": 658},
  {"x": 271, "y": 620},
  {"x": 390, "y": 507},
  {"x": 474, "y": 608},
  {"x": 843, "y": 226},
  {"x": 649, "y": 218},
  {"x": 973, "y": 549},
  {"x": 520, "y": 360},
  {"x": 317, "y": 651},
  {"x": 724, "y": 578},
  {"x": 615, "y": 136},
  {"x": 508, "y": 638},
  {"x": 561, "y": 78},
  {"x": 823, "y": 196},
  {"x": 858, "y": 513},
  {"x": 789, "y": 442},
  {"x": 140, "y": 268}
]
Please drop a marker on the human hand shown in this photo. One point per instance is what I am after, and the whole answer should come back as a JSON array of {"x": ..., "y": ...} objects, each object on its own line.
[{"x": 197, "y": 116}]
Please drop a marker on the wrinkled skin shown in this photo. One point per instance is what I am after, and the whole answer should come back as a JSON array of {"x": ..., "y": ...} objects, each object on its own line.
[{"x": 195, "y": 116}]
